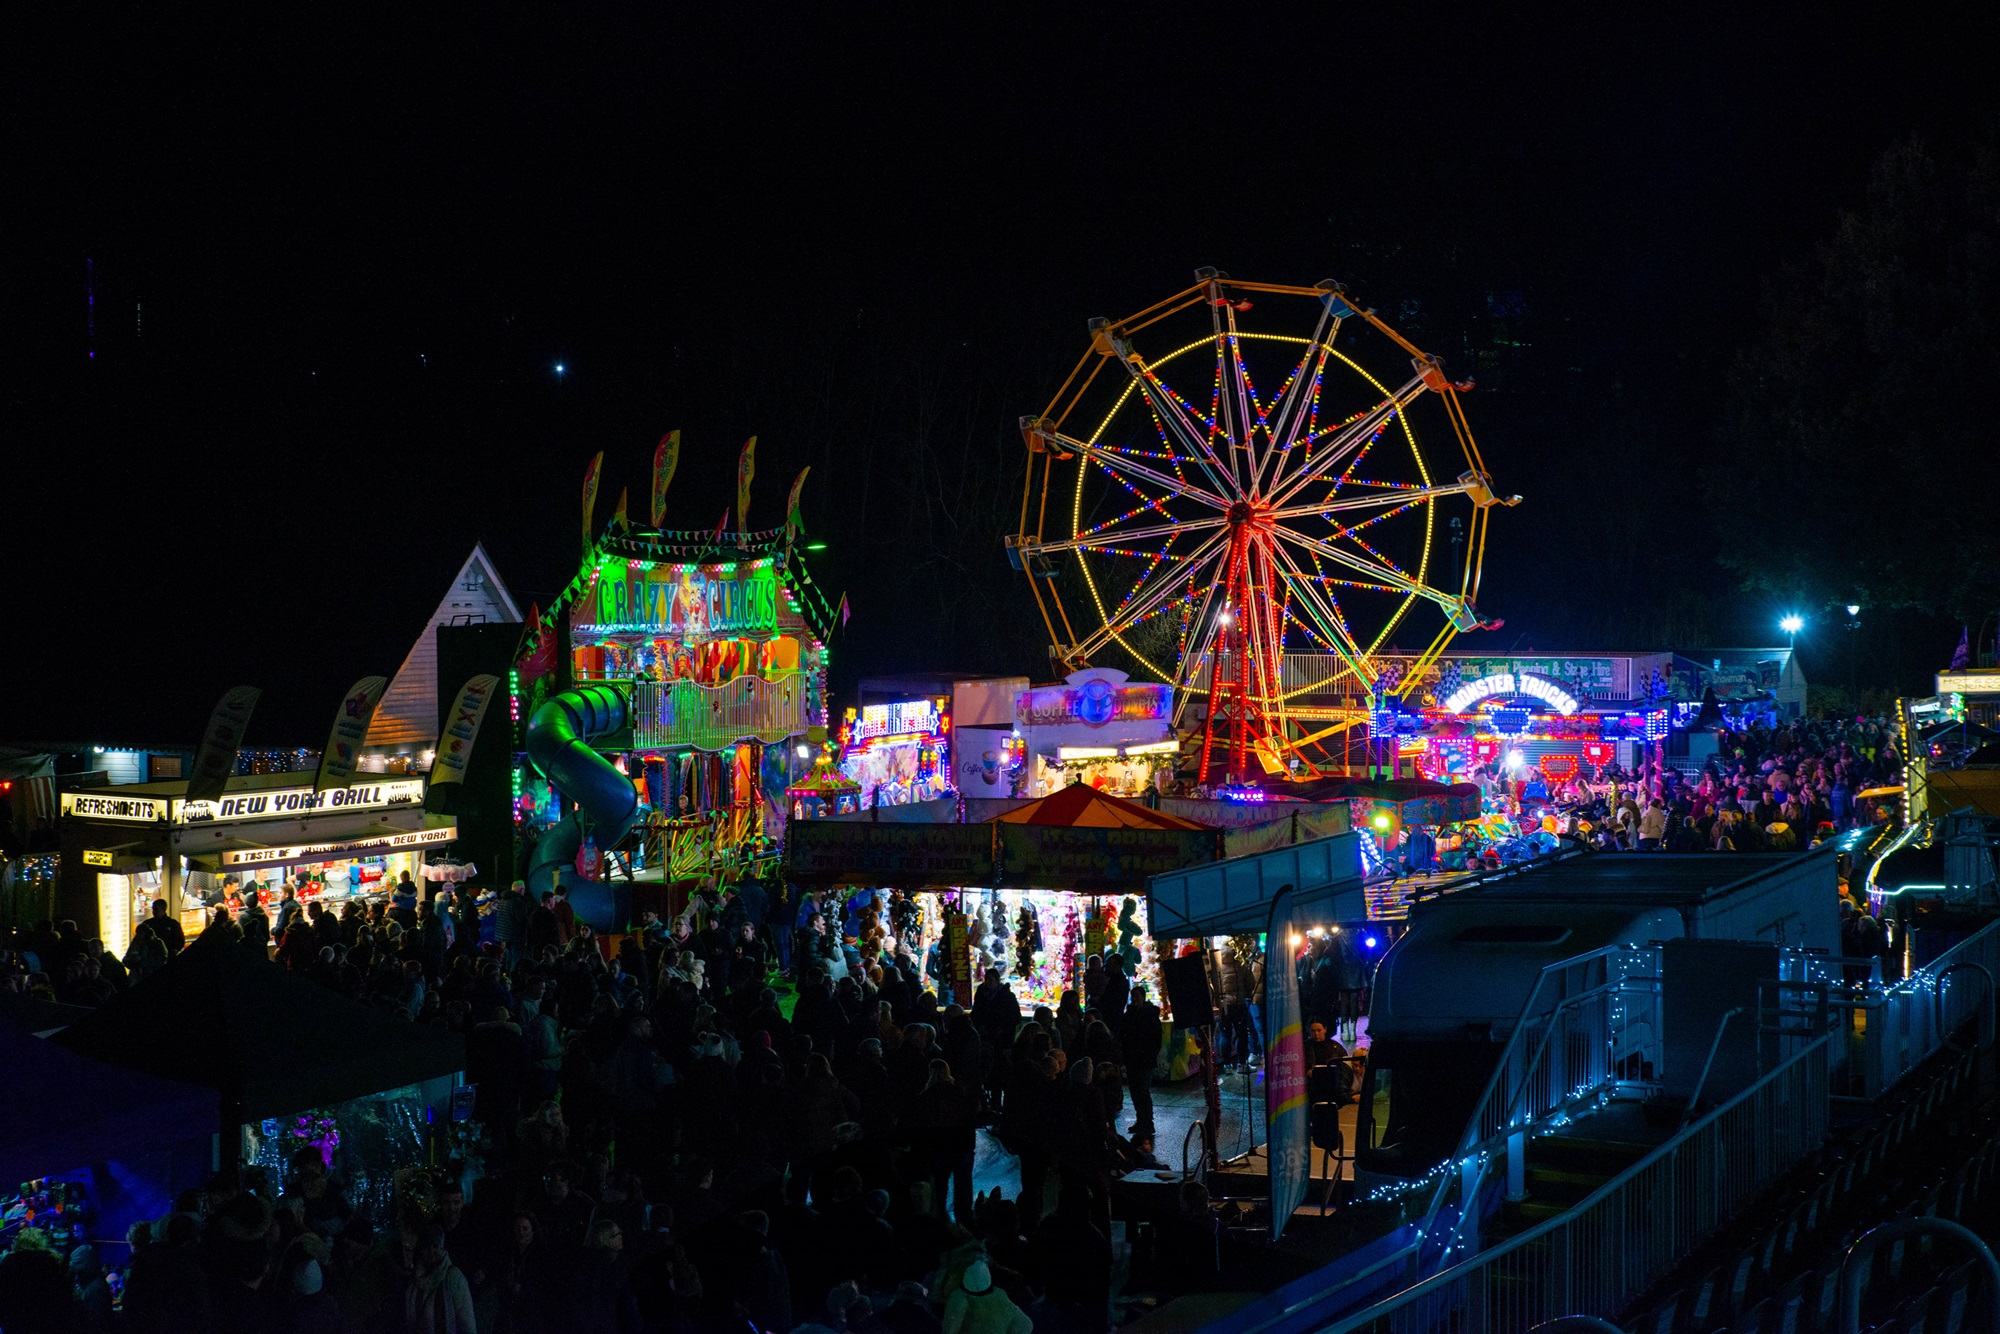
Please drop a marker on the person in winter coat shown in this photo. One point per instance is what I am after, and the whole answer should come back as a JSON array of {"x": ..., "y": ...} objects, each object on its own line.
[
  {"x": 437, "y": 1299},
  {"x": 1139, "y": 1045},
  {"x": 977, "y": 1307}
]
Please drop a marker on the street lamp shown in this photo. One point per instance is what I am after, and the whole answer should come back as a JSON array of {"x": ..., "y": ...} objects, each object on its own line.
[
  {"x": 1853, "y": 657},
  {"x": 1791, "y": 625}
]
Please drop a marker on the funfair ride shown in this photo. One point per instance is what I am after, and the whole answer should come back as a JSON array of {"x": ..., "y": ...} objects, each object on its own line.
[{"x": 1256, "y": 548}]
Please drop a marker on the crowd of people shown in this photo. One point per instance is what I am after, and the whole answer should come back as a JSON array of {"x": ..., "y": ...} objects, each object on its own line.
[
  {"x": 1767, "y": 789},
  {"x": 672, "y": 1142}
]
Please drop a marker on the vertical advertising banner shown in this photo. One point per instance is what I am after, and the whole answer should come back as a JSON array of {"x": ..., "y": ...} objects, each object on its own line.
[
  {"x": 958, "y": 957},
  {"x": 666, "y": 458},
  {"x": 460, "y": 729},
  {"x": 350, "y": 725},
  {"x": 215, "y": 758},
  {"x": 1284, "y": 1069}
]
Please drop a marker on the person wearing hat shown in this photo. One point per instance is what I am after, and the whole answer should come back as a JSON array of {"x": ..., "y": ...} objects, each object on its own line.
[
  {"x": 93, "y": 1293},
  {"x": 978, "y": 1307}
]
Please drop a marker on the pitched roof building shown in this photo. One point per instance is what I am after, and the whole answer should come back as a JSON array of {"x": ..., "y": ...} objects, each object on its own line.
[{"x": 406, "y": 722}]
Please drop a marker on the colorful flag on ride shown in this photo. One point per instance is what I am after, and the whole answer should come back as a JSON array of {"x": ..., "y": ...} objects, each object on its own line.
[
  {"x": 843, "y": 610},
  {"x": 618, "y": 519},
  {"x": 350, "y": 725},
  {"x": 1285, "y": 1111},
  {"x": 590, "y": 498},
  {"x": 722, "y": 524},
  {"x": 746, "y": 469},
  {"x": 793, "y": 524},
  {"x": 215, "y": 758},
  {"x": 666, "y": 458}
]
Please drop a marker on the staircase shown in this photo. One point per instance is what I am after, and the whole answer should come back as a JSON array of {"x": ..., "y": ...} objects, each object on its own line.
[{"x": 1561, "y": 1171}]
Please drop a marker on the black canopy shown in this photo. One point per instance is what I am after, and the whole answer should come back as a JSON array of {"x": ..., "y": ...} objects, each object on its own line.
[
  {"x": 223, "y": 1017},
  {"x": 65, "y": 1111}
]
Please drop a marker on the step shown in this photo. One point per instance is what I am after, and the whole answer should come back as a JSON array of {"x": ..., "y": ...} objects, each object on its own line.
[
  {"x": 1563, "y": 1185},
  {"x": 1607, "y": 1157}
]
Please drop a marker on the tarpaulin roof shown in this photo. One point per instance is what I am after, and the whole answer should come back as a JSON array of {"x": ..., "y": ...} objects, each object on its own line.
[
  {"x": 64, "y": 1111},
  {"x": 271, "y": 1043},
  {"x": 31, "y": 1014},
  {"x": 1081, "y": 806}
]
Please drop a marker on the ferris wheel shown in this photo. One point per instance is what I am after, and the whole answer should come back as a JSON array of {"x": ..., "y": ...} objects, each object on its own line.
[{"x": 1239, "y": 506}]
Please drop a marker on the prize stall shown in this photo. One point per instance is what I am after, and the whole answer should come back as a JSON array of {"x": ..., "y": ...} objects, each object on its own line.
[
  {"x": 1032, "y": 893},
  {"x": 126, "y": 846},
  {"x": 898, "y": 754}
]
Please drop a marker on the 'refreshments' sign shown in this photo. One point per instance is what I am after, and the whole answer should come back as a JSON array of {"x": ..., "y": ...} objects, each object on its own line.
[
  {"x": 279, "y": 803},
  {"x": 1092, "y": 702},
  {"x": 687, "y": 601},
  {"x": 102, "y": 806}
]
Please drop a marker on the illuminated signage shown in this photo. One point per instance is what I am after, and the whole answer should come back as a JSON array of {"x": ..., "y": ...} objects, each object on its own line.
[
  {"x": 1508, "y": 683},
  {"x": 914, "y": 717},
  {"x": 1968, "y": 683},
  {"x": 96, "y": 858},
  {"x": 360, "y": 847},
  {"x": 102, "y": 806},
  {"x": 687, "y": 601},
  {"x": 1092, "y": 702},
  {"x": 275, "y": 803}
]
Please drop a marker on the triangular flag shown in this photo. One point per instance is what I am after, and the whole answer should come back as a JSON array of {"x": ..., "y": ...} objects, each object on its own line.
[
  {"x": 618, "y": 519},
  {"x": 844, "y": 611},
  {"x": 722, "y": 525}
]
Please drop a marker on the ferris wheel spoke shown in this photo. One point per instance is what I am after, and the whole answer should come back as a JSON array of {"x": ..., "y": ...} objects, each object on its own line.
[
  {"x": 1110, "y": 538},
  {"x": 1413, "y": 496},
  {"x": 1291, "y": 416},
  {"x": 1118, "y": 463},
  {"x": 1349, "y": 439},
  {"x": 1229, "y": 344},
  {"x": 1332, "y": 625},
  {"x": 1179, "y": 420},
  {"x": 1377, "y": 570},
  {"x": 1116, "y": 623}
]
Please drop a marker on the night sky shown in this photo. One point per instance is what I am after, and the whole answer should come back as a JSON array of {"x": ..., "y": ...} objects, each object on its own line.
[{"x": 327, "y": 259}]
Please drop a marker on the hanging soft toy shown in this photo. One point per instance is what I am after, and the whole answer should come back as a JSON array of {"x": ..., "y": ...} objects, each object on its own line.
[
  {"x": 1128, "y": 935},
  {"x": 1027, "y": 939}
]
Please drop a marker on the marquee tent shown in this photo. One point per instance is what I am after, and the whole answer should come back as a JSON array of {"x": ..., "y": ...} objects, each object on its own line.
[{"x": 270, "y": 1043}]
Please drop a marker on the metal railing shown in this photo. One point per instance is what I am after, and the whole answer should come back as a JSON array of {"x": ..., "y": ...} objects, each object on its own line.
[
  {"x": 1590, "y": 1024},
  {"x": 687, "y": 713},
  {"x": 1889, "y": 1030},
  {"x": 1626, "y": 1236}
]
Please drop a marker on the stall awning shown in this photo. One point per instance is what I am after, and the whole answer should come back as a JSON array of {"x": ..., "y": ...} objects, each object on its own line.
[
  {"x": 1233, "y": 896},
  {"x": 374, "y": 841}
]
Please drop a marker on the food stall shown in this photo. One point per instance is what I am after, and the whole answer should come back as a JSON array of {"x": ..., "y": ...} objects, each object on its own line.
[
  {"x": 125, "y": 846},
  {"x": 1099, "y": 728}
]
